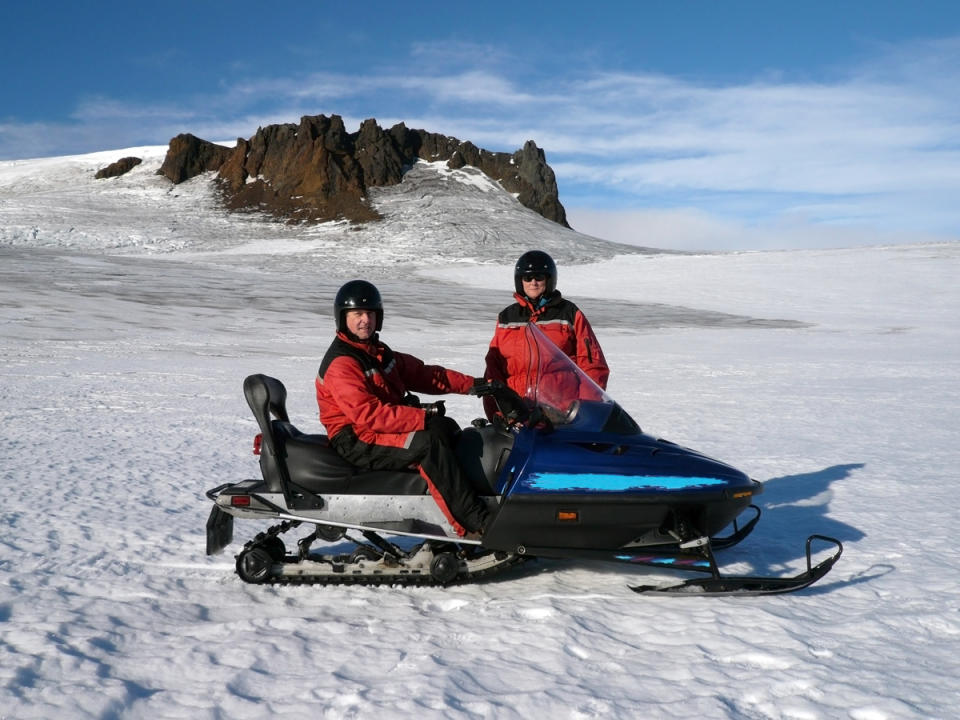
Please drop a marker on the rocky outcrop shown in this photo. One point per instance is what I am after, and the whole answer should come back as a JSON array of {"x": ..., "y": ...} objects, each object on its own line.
[
  {"x": 121, "y": 166},
  {"x": 188, "y": 156},
  {"x": 302, "y": 172},
  {"x": 318, "y": 171},
  {"x": 524, "y": 172}
]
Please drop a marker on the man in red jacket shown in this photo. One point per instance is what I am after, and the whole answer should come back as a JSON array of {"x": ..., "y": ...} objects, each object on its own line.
[
  {"x": 539, "y": 301},
  {"x": 361, "y": 388}
]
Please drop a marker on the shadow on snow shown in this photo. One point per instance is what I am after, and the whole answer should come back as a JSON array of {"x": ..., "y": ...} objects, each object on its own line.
[{"x": 795, "y": 507}]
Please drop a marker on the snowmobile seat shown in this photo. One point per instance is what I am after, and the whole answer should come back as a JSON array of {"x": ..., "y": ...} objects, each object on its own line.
[
  {"x": 315, "y": 466},
  {"x": 289, "y": 456}
]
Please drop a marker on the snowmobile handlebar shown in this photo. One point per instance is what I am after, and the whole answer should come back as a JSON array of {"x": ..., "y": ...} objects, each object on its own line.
[
  {"x": 509, "y": 403},
  {"x": 483, "y": 388}
]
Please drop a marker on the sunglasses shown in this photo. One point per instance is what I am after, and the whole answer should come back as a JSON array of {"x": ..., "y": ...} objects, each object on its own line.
[{"x": 531, "y": 277}]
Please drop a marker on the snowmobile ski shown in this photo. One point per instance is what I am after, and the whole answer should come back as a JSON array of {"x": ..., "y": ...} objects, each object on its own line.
[{"x": 742, "y": 585}]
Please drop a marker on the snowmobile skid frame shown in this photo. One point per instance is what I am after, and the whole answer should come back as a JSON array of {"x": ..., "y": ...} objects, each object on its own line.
[{"x": 372, "y": 561}]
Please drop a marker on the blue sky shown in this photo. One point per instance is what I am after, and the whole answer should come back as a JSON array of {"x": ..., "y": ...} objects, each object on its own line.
[{"x": 684, "y": 124}]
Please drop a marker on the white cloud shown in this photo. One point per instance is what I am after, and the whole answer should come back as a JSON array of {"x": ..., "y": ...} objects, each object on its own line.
[
  {"x": 100, "y": 109},
  {"x": 697, "y": 230}
]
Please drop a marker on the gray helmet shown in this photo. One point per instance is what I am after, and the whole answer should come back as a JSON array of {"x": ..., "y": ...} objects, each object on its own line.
[
  {"x": 357, "y": 295},
  {"x": 535, "y": 262}
]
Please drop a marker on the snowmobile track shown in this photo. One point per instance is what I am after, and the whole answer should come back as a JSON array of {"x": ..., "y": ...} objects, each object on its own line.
[{"x": 367, "y": 565}]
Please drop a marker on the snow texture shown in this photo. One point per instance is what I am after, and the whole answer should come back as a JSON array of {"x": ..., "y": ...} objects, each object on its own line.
[{"x": 131, "y": 310}]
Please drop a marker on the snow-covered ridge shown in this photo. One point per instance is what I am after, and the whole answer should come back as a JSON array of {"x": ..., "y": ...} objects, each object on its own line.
[{"x": 435, "y": 213}]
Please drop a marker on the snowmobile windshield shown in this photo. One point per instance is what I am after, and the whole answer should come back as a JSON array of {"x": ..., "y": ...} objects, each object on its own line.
[{"x": 565, "y": 394}]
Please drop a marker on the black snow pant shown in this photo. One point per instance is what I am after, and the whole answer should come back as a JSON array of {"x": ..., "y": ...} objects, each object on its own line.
[{"x": 432, "y": 451}]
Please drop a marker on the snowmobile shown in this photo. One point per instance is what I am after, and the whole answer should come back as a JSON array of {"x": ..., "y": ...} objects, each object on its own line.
[{"x": 567, "y": 472}]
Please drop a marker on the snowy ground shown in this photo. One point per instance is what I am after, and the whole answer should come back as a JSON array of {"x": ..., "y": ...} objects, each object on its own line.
[{"x": 131, "y": 312}]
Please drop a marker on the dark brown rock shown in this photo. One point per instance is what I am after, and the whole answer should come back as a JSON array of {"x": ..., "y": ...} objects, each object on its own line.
[
  {"x": 318, "y": 171},
  {"x": 382, "y": 159},
  {"x": 121, "y": 166},
  {"x": 299, "y": 172},
  {"x": 189, "y": 156}
]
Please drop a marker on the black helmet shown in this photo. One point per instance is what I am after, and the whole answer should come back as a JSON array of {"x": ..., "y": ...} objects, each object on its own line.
[
  {"x": 357, "y": 295},
  {"x": 535, "y": 261}
]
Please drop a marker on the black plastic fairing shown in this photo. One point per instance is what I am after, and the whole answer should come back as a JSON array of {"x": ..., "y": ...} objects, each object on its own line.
[
  {"x": 606, "y": 521},
  {"x": 482, "y": 453}
]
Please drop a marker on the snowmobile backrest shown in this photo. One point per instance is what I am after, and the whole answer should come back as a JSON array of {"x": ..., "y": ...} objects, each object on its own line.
[{"x": 267, "y": 397}]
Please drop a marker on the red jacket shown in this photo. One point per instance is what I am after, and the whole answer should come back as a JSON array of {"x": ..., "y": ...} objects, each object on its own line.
[
  {"x": 363, "y": 385},
  {"x": 562, "y": 322}
]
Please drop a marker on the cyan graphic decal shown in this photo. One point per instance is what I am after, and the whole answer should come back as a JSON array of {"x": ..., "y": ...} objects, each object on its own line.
[{"x": 615, "y": 483}]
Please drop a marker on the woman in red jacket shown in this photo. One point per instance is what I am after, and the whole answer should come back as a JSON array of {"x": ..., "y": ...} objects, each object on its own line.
[
  {"x": 361, "y": 389},
  {"x": 539, "y": 301}
]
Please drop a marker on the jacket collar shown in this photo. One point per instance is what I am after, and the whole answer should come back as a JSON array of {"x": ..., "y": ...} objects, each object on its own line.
[
  {"x": 534, "y": 309},
  {"x": 371, "y": 346}
]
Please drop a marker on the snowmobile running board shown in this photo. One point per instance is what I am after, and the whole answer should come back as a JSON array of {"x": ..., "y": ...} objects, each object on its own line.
[{"x": 749, "y": 585}]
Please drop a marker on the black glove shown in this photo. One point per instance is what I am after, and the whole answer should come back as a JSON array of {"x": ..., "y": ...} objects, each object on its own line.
[
  {"x": 482, "y": 388},
  {"x": 435, "y": 409},
  {"x": 538, "y": 419}
]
